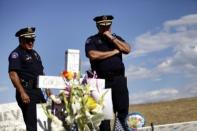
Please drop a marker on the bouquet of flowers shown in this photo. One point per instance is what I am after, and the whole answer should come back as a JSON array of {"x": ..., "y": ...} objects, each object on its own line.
[{"x": 75, "y": 107}]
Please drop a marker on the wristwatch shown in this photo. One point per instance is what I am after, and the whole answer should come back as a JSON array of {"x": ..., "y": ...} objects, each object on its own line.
[{"x": 114, "y": 37}]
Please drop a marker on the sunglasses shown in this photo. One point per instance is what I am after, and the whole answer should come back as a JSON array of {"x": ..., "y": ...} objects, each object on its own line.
[
  {"x": 28, "y": 40},
  {"x": 104, "y": 27}
]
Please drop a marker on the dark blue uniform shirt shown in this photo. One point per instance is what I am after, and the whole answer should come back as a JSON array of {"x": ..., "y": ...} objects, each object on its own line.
[
  {"x": 27, "y": 64},
  {"x": 101, "y": 43},
  {"x": 112, "y": 70}
]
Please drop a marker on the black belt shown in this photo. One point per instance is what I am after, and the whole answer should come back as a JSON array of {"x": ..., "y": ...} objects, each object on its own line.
[
  {"x": 30, "y": 84},
  {"x": 110, "y": 75}
]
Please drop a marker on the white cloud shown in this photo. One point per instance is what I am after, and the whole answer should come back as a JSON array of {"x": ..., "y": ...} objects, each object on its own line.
[
  {"x": 191, "y": 89},
  {"x": 148, "y": 43},
  {"x": 183, "y": 61},
  {"x": 174, "y": 33},
  {"x": 183, "y": 21},
  {"x": 154, "y": 96},
  {"x": 135, "y": 72},
  {"x": 178, "y": 34},
  {"x": 164, "y": 94}
]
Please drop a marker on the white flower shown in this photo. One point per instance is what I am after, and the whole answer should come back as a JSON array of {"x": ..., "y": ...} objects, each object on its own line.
[
  {"x": 98, "y": 109},
  {"x": 55, "y": 99},
  {"x": 55, "y": 127},
  {"x": 76, "y": 107},
  {"x": 88, "y": 114},
  {"x": 56, "y": 120},
  {"x": 69, "y": 119}
]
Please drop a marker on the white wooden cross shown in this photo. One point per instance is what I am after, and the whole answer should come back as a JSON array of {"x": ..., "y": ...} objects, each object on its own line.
[{"x": 72, "y": 64}]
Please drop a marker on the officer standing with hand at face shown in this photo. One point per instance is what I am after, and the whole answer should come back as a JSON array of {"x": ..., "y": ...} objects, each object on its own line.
[
  {"x": 104, "y": 51},
  {"x": 25, "y": 66}
]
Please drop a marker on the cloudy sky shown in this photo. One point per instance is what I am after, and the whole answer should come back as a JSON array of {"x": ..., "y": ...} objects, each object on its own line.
[
  {"x": 167, "y": 65},
  {"x": 162, "y": 34}
]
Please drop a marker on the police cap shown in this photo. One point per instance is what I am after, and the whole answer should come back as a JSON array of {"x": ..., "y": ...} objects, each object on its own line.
[
  {"x": 104, "y": 20},
  {"x": 28, "y": 32}
]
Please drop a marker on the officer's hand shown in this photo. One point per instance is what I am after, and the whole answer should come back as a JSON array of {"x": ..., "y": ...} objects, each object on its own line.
[
  {"x": 116, "y": 51},
  {"x": 25, "y": 98},
  {"x": 108, "y": 34}
]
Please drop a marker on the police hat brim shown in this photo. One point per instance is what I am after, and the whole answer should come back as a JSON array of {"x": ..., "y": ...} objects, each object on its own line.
[
  {"x": 104, "y": 23},
  {"x": 104, "y": 20},
  {"x": 28, "y": 32}
]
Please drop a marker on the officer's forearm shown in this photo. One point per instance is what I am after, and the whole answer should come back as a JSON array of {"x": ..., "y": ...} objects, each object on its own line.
[
  {"x": 99, "y": 55},
  {"x": 122, "y": 46},
  {"x": 16, "y": 81}
]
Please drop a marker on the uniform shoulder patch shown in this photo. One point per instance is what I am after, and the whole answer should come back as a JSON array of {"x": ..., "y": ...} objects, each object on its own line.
[{"x": 14, "y": 55}]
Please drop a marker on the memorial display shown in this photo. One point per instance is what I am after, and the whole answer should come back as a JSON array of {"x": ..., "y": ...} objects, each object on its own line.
[
  {"x": 75, "y": 107},
  {"x": 81, "y": 104}
]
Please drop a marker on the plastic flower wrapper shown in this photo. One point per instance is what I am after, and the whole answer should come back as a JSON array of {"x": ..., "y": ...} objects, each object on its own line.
[{"x": 77, "y": 107}]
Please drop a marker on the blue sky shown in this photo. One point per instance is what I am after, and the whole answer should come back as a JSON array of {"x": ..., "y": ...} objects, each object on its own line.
[{"x": 162, "y": 34}]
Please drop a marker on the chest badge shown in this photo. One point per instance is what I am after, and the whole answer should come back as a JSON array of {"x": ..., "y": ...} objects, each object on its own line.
[{"x": 28, "y": 58}]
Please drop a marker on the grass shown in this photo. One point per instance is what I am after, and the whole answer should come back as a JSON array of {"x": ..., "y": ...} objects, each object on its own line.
[{"x": 181, "y": 110}]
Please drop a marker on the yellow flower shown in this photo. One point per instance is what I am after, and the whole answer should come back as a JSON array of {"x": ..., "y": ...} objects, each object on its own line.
[
  {"x": 91, "y": 103},
  {"x": 68, "y": 75}
]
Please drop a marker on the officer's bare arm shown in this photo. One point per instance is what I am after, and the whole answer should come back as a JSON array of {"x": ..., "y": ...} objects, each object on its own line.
[
  {"x": 17, "y": 84},
  {"x": 16, "y": 81},
  {"x": 122, "y": 46},
  {"x": 99, "y": 55}
]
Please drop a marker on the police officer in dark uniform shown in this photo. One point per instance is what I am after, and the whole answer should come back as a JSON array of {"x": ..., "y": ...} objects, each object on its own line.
[
  {"x": 25, "y": 66},
  {"x": 104, "y": 51}
]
